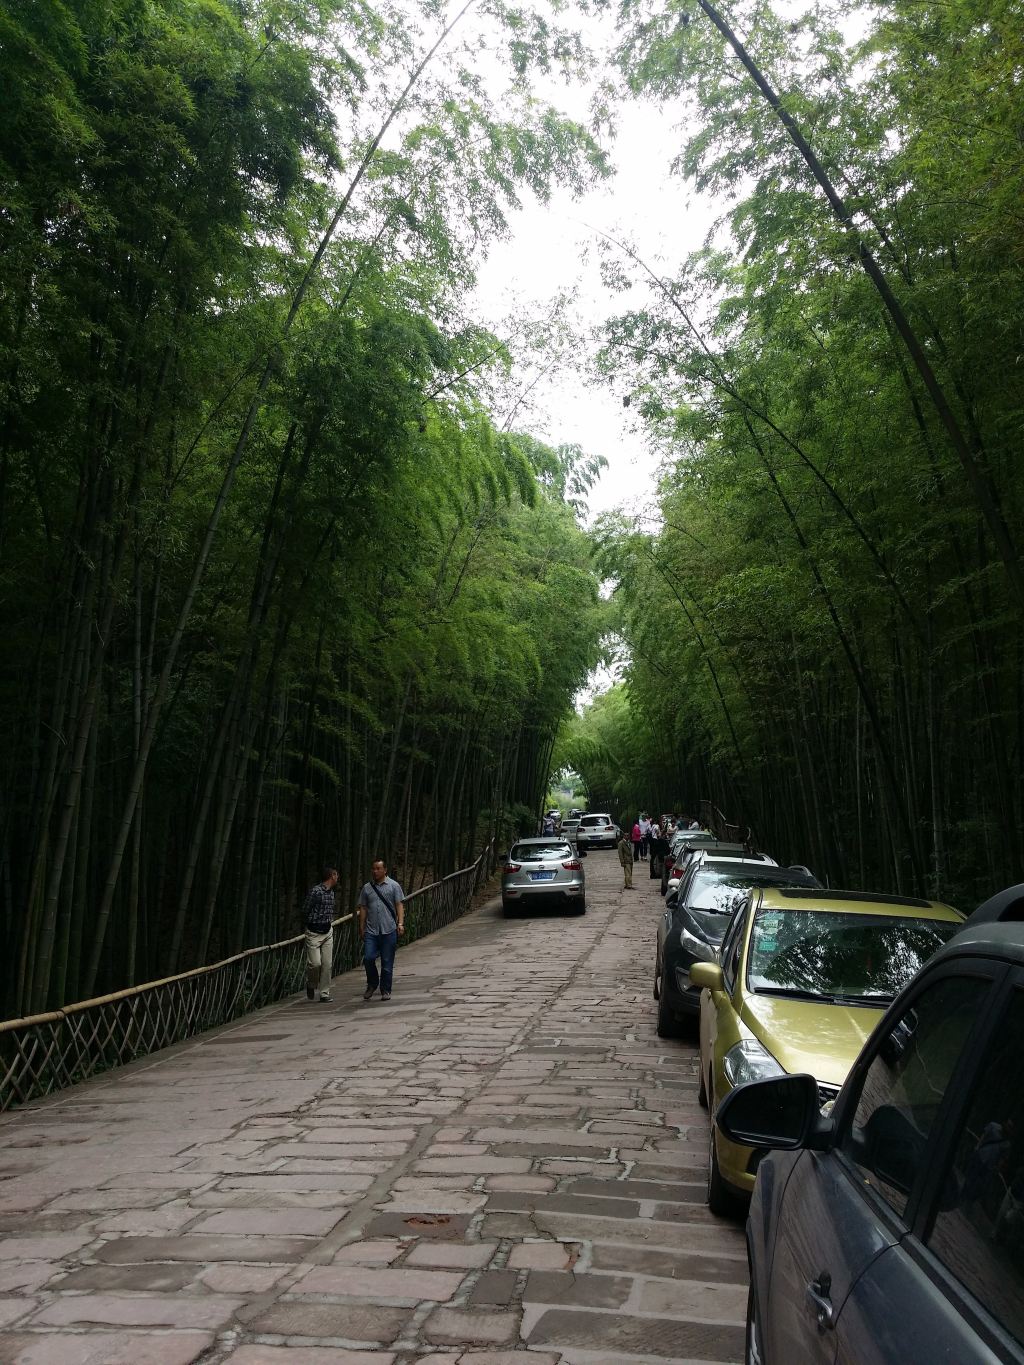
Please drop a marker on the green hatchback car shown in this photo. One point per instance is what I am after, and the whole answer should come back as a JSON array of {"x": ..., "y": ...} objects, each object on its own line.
[{"x": 805, "y": 976}]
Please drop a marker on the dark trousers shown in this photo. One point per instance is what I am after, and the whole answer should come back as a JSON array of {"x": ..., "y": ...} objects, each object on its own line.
[{"x": 383, "y": 946}]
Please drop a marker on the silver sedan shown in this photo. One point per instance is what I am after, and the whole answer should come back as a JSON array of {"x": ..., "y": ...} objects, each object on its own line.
[{"x": 540, "y": 871}]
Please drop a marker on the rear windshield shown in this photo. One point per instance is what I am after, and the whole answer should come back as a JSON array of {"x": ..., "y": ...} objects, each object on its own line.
[
  {"x": 596, "y": 820},
  {"x": 822, "y": 954},
  {"x": 533, "y": 853}
]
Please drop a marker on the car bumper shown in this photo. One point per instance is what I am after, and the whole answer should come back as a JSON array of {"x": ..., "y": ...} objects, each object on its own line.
[
  {"x": 737, "y": 1163},
  {"x": 684, "y": 998},
  {"x": 542, "y": 892}
]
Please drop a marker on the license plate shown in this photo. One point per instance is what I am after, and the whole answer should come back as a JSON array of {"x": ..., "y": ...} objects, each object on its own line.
[{"x": 542, "y": 876}]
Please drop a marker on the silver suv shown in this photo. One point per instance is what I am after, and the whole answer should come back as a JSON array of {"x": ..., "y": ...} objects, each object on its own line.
[
  {"x": 539, "y": 870},
  {"x": 597, "y": 831}
]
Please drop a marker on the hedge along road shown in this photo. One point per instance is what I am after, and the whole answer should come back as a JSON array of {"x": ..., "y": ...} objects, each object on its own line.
[{"x": 504, "y": 1157}]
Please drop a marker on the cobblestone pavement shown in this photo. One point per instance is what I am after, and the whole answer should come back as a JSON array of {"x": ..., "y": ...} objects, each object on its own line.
[{"x": 504, "y": 1163}]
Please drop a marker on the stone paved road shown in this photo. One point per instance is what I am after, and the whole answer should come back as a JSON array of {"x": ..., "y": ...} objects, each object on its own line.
[{"x": 505, "y": 1163}]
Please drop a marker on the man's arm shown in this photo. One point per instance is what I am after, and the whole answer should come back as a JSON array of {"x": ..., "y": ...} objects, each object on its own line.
[
  {"x": 400, "y": 915},
  {"x": 361, "y": 912}
]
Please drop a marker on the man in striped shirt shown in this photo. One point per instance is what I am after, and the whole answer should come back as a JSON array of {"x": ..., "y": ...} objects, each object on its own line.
[{"x": 318, "y": 909}]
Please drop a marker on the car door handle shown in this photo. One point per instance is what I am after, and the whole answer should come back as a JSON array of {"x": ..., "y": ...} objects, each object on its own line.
[{"x": 818, "y": 1298}]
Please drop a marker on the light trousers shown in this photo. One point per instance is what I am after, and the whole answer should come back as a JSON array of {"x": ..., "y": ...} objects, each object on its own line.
[{"x": 320, "y": 959}]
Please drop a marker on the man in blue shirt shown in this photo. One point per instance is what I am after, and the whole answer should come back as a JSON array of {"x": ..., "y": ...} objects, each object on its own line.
[{"x": 381, "y": 921}]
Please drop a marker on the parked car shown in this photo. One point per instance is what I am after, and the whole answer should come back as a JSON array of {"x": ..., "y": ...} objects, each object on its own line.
[
  {"x": 681, "y": 839},
  {"x": 569, "y": 827},
  {"x": 692, "y": 931},
  {"x": 889, "y": 1231},
  {"x": 686, "y": 850},
  {"x": 703, "y": 855},
  {"x": 804, "y": 978},
  {"x": 596, "y": 831},
  {"x": 541, "y": 871}
]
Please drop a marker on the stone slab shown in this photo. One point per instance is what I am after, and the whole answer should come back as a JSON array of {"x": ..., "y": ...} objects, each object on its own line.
[
  {"x": 653, "y": 1339},
  {"x": 351, "y": 1322},
  {"x": 130, "y": 1250},
  {"x": 104, "y": 1348}
]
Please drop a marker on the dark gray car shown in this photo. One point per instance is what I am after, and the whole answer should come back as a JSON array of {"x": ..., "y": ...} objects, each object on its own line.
[
  {"x": 692, "y": 930},
  {"x": 891, "y": 1230}
]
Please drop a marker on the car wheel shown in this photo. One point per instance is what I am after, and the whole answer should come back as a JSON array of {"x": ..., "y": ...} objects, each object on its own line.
[
  {"x": 657, "y": 978},
  {"x": 721, "y": 1200},
  {"x": 702, "y": 1090},
  {"x": 669, "y": 1025},
  {"x": 753, "y": 1355},
  {"x": 510, "y": 908},
  {"x": 580, "y": 908}
]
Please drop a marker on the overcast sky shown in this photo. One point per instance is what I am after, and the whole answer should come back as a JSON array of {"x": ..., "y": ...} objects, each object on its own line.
[{"x": 555, "y": 247}]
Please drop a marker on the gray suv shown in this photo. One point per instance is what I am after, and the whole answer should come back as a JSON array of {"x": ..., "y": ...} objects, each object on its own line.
[{"x": 889, "y": 1230}]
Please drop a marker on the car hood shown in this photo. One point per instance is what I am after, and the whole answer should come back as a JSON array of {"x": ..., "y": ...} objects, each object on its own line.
[{"x": 801, "y": 1035}]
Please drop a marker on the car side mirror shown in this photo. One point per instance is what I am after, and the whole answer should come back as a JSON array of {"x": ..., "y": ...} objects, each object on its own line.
[
  {"x": 783, "y": 1113},
  {"x": 707, "y": 974}
]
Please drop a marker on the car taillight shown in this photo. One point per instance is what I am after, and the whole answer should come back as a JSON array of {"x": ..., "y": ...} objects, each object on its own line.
[
  {"x": 574, "y": 866},
  {"x": 510, "y": 867}
]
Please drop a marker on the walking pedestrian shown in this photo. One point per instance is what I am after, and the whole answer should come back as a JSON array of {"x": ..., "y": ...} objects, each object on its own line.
[
  {"x": 645, "y": 835},
  {"x": 318, "y": 910},
  {"x": 381, "y": 922},
  {"x": 637, "y": 840},
  {"x": 625, "y": 847},
  {"x": 659, "y": 850}
]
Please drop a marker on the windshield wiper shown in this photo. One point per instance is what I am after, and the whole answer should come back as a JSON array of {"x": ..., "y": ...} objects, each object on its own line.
[
  {"x": 878, "y": 1000},
  {"x": 794, "y": 993}
]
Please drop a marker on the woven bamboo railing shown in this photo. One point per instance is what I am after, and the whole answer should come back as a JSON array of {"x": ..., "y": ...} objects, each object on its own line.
[{"x": 44, "y": 1053}]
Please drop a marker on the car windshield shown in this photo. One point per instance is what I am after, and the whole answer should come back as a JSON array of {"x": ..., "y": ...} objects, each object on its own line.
[
  {"x": 595, "y": 820},
  {"x": 848, "y": 958},
  {"x": 719, "y": 893},
  {"x": 534, "y": 853}
]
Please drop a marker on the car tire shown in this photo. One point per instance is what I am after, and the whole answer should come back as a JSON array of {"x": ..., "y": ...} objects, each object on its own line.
[
  {"x": 510, "y": 909},
  {"x": 657, "y": 978},
  {"x": 753, "y": 1352},
  {"x": 702, "y": 1090},
  {"x": 669, "y": 1024},
  {"x": 580, "y": 908}
]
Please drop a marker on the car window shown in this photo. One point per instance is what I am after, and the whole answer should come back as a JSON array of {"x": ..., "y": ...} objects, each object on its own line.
[
  {"x": 978, "y": 1232},
  {"x": 532, "y": 853},
  {"x": 905, "y": 1084},
  {"x": 732, "y": 945}
]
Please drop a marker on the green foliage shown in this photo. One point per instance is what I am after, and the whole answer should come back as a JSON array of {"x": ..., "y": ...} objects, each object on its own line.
[
  {"x": 275, "y": 587},
  {"x": 822, "y": 630}
]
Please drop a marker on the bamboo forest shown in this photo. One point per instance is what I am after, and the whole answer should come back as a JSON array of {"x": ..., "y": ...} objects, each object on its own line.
[{"x": 288, "y": 571}]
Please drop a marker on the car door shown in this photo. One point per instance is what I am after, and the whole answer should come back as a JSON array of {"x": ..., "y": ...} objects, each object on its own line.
[
  {"x": 958, "y": 1274},
  {"x": 847, "y": 1207}
]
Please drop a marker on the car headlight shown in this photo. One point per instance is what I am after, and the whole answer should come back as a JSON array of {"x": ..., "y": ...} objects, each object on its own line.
[
  {"x": 697, "y": 947},
  {"x": 749, "y": 1061}
]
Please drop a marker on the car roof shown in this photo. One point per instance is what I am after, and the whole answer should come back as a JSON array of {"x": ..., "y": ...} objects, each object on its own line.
[
  {"x": 986, "y": 939},
  {"x": 857, "y": 903},
  {"x": 540, "y": 839},
  {"x": 597, "y": 815},
  {"x": 740, "y": 865}
]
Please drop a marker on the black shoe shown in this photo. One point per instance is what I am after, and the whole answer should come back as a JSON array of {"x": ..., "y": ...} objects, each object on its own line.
[{"x": 370, "y": 992}]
